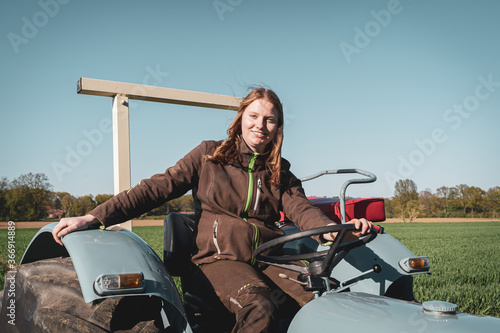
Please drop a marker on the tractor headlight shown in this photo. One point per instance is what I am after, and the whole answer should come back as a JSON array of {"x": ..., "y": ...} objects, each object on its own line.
[
  {"x": 415, "y": 265},
  {"x": 109, "y": 284}
]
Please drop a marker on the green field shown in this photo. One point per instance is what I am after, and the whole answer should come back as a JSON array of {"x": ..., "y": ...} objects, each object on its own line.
[
  {"x": 464, "y": 260},
  {"x": 464, "y": 263}
]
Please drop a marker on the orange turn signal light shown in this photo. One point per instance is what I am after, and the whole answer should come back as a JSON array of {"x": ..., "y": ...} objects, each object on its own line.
[
  {"x": 119, "y": 283},
  {"x": 129, "y": 281},
  {"x": 415, "y": 264}
]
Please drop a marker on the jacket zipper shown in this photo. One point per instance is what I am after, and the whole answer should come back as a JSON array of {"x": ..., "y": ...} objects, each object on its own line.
[
  {"x": 214, "y": 237},
  {"x": 249, "y": 199},
  {"x": 250, "y": 185},
  {"x": 255, "y": 241}
]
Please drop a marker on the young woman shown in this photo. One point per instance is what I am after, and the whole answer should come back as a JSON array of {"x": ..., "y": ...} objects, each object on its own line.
[{"x": 239, "y": 186}]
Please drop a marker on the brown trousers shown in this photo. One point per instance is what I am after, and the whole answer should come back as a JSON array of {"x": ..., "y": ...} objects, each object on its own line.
[{"x": 257, "y": 297}]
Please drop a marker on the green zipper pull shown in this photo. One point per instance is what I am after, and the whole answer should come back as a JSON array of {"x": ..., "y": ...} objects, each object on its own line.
[
  {"x": 250, "y": 185},
  {"x": 249, "y": 199}
]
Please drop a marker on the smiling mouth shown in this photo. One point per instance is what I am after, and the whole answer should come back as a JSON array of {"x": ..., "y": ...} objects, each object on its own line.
[{"x": 260, "y": 134}]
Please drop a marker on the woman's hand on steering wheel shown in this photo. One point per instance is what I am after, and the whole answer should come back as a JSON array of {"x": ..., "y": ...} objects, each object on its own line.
[{"x": 363, "y": 227}]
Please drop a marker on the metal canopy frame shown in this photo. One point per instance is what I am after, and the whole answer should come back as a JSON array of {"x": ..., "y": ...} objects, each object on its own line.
[{"x": 121, "y": 93}]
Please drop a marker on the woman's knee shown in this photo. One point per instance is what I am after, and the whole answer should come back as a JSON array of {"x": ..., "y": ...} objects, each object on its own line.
[
  {"x": 254, "y": 309},
  {"x": 254, "y": 296}
]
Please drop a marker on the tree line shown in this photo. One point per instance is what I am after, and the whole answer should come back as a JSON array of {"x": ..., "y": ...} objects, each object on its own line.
[
  {"x": 457, "y": 201},
  {"x": 30, "y": 198}
]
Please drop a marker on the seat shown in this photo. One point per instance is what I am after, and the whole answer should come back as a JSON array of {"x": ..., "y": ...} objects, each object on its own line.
[{"x": 178, "y": 243}]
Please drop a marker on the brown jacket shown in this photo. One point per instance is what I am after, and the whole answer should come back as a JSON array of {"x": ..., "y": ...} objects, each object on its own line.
[{"x": 235, "y": 206}]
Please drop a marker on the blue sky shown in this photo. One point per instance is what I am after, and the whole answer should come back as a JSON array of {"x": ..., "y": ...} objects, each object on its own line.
[{"x": 404, "y": 89}]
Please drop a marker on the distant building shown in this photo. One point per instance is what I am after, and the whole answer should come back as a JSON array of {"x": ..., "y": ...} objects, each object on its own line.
[{"x": 54, "y": 213}]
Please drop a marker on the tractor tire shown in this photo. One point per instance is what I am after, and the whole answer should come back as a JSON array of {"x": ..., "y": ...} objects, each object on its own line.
[{"x": 48, "y": 298}]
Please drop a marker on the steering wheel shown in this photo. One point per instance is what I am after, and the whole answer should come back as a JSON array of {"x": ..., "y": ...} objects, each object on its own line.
[{"x": 320, "y": 263}]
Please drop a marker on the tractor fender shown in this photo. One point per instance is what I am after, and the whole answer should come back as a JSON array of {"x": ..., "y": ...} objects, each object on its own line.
[
  {"x": 95, "y": 252},
  {"x": 361, "y": 312}
]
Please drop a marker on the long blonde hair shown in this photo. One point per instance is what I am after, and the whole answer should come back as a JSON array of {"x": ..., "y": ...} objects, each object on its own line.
[{"x": 228, "y": 151}]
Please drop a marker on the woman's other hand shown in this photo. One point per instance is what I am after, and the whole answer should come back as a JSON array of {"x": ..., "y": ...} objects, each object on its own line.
[{"x": 363, "y": 225}]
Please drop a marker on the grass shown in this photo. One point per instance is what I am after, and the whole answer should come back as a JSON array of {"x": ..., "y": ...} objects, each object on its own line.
[
  {"x": 464, "y": 265},
  {"x": 21, "y": 242}
]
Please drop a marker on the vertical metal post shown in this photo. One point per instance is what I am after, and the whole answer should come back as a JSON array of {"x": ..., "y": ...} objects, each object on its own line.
[{"x": 121, "y": 148}]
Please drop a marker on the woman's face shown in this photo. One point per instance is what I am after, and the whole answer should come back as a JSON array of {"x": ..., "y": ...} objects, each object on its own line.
[{"x": 259, "y": 124}]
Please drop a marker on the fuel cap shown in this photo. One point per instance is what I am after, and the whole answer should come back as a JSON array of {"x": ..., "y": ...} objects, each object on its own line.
[{"x": 439, "y": 307}]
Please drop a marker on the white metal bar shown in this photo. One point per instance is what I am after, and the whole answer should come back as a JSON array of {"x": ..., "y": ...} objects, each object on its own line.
[
  {"x": 121, "y": 148},
  {"x": 156, "y": 94}
]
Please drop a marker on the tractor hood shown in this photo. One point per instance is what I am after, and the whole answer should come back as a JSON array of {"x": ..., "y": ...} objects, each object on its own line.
[{"x": 361, "y": 312}]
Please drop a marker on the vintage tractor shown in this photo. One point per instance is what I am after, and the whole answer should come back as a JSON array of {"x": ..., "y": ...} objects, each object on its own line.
[{"x": 111, "y": 280}]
